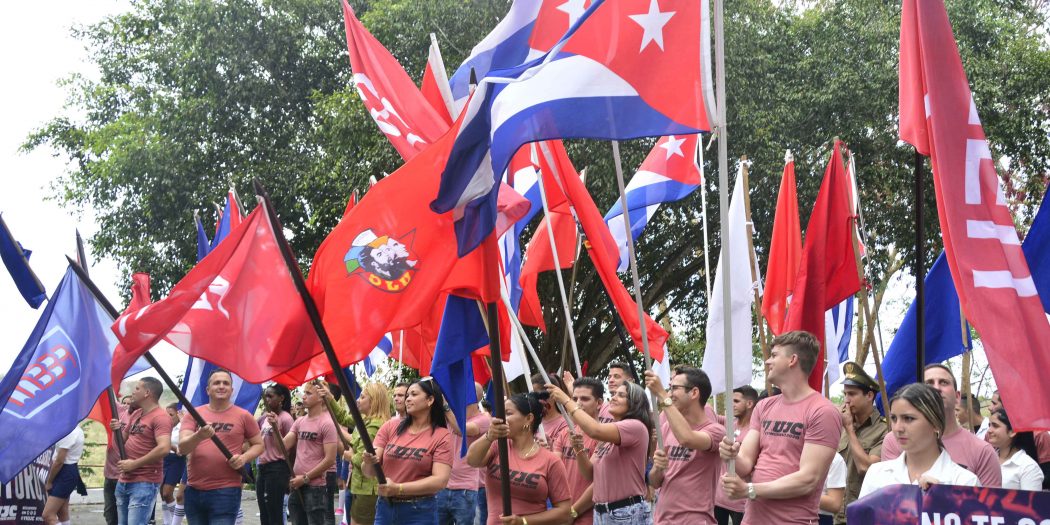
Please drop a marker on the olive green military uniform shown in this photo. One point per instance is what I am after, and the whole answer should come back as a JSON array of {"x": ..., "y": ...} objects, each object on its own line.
[{"x": 870, "y": 434}]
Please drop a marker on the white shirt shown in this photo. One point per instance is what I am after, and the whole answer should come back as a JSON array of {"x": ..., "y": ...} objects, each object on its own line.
[
  {"x": 1020, "y": 471},
  {"x": 836, "y": 477},
  {"x": 895, "y": 472},
  {"x": 983, "y": 429},
  {"x": 74, "y": 443},
  {"x": 175, "y": 436}
]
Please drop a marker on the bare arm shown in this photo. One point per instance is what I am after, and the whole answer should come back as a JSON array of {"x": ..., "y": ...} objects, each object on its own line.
[
  {"x": 189, "y": 439},
  {"x": 832, "y": 501},
  {"x": 814, "y": 464},
  {"x": 56, "y": 465},
  {"x": 429, "y": 485},
  {"x": 255, "y": 449},
  {"x": 744, "y": 452},
  {"x": 556, "y": 515},
  {"x": 586, "y": 501},
  {"x": 480, "y": 452}
]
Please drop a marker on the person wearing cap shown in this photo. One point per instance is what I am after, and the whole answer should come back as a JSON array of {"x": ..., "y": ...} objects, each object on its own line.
[{"x": 864, "y": 429}]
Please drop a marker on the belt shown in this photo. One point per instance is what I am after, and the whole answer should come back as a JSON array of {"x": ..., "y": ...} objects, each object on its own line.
[
  {"x": 618, "y": 504},
  {"x": 409, "y": 499}
]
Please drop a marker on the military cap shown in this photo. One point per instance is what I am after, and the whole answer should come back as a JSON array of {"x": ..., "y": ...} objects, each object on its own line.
[{"x": 856, "y": 376}]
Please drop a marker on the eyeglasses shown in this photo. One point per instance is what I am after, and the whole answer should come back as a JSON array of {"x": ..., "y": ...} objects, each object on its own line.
[{"x": 683, "y": 387}]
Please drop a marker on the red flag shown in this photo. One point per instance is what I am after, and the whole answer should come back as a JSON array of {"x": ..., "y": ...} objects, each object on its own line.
[
  {"x": 436, "y": 89},
  {"x": 238, "y": 308},
  {"x": 828, "y": 271},
  {"x": 538, "y": 258},
  {"x": 101, "y": 412},
  {"x": 605, "y": 254},
  {"x": 390, "y": 96},
  {"x": 785, "y": 252},
  {"x": 939, "y": 117}
]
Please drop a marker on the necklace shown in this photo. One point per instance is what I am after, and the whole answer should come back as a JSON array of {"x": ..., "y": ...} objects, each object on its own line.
[{"x": 531, "y": 451}]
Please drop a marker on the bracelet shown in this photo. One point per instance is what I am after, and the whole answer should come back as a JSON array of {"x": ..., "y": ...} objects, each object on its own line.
[
  {"x": 573, "y": 411},
  {"x": 524, "y": 521},
  {"x": 400, "y": 489}
]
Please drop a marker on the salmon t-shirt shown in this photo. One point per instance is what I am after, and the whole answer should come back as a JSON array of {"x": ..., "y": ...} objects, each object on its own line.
[
  {"x": 464, "y": 476},
  {"x": 312, "y": 434},
  {"x": 784, "y": 428},
  {"x": 687, "y": 492},
  {"x": 142, "y": 431},
  {"x": 577, "y": 483},
  {"x": 271, "y": 452},
  {"x": 533, "y": 481},
  {"x": 721, "y": 500},
  {"x": 553, "y": 429},
  {"x": 410, "y": 457},
  {"x": 207, "y": 466},
  {"x": 619, "y": 471},
  {"x": 966, "y": 450}
]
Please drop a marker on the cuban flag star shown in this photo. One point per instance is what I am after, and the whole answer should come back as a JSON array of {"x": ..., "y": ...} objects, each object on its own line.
[{"x": 626, "y": 69}]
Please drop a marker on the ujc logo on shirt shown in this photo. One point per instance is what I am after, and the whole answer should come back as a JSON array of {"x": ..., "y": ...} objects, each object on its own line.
[{"x": 54, "y": 374}]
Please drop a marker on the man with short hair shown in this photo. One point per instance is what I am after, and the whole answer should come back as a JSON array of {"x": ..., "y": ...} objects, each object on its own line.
[
  {"x": 619, "y": 373},
  {"x": 457, "y": 503},
  {"x": 690, "y": 458},
  {"x": 788, "y": 449},
  {"x": 213, "y": 491},
  {"x": 400, "y": 393},
  {"x": 969, "y": 415},
  {"x": 315, "y": 441},
  {"x": 575, "y": 447},
  {"x": 966, "y": 449},
  {"x": 861, "y": 444},
  {"x": 147, "y": 431},
  {"x": 745, "y": 399},
  {"x": 995, "y": 403}
]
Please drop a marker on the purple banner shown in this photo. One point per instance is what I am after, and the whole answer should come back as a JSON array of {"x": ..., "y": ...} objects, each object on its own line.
[
  {"x": 22, "y": 499},
  {"x": 950, "y": 505}
]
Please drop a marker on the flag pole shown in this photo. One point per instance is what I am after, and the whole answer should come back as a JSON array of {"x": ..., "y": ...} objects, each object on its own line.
[
  {"x": 190, "y": 409},
  {"x": 723, "y": 208},
  {"x": 920, "y": 272},
  {"x": 499, "y": 410},
  {"x": 763, "y": 341},
  {"x": 554, "y": 252},
  {"x": 636, "y": 282},
  {"x": 315, "y": 320},
  {"x": 111, "y": 395},
  {"x": 703, "y": 217},
  {"x": 572, "y": 280}
]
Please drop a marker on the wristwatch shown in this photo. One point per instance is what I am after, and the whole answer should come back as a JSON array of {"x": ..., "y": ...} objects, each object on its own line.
[
  {"x": 751, "y": 494},
  {"x": 573, "y": 513},
  {"x": 666, "y": 402}
]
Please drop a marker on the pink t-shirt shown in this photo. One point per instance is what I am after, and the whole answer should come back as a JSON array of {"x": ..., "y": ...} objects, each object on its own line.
[
  {"x": 687, "y": 492},
  {"x": 784, "y": 428},
  {"x": 410, "y": 457},
  {"x": 721, "y": 500},
  {"x": 1042, "y": 446},
  {"x": 967, "y": 450},
  {"x": 464, "y": 476},
  {"x": 312, "y": 434},
  {"x": 142, "y": 431},
  {"x": 207, "y": 466},
  {"x": 271, "y": 452},
  {"x": 577, "y": 483},
  {"x": 554, "y": 428},
  {"x": 619, "y": 471},
  {"x": 532, "y": 482},
  {"x": 603, "y": 414}
]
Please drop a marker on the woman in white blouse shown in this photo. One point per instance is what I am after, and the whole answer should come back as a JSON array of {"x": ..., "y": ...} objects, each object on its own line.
[
  {"x": 1016, "y": 450},
  {"x": 917, "y": 420}
]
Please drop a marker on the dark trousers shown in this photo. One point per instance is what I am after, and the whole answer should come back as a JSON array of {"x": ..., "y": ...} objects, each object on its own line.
[
  {"x": 313, "y": 508},
  {"x": 1046, "y": 474},
  {"x": 109, "y": 498},
  {"x": 270, "y": 487},
  {"x": 724, "y": 515},
  {"x": 331, "y": 485}
]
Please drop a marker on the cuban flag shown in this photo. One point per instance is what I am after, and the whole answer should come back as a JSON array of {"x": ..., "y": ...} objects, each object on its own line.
[
  {"x": 838, "y": 329},
  {"x": 379, "y": 354},
  {"x": 645, "y": 82},
  {"x": 669, "y": 173}
]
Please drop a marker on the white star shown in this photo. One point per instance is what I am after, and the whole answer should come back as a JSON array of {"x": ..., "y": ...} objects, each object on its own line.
[
  {"x": 653, "y": 24},
  {"x": 673, "y": 147},
  {"x": 574, "y": 8}
]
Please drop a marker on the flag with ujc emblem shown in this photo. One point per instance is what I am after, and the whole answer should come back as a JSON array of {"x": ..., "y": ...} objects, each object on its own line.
[{"x": 57, "y": 377}]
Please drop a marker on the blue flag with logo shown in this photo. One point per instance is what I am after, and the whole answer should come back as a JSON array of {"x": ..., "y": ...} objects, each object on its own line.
[
  {"x": 57, "y": 377},
  {"x": 462, "y": 331},
  {"x": 16, "y": 259}
]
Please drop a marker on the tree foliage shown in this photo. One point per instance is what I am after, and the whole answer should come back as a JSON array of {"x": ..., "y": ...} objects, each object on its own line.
[{"x": 197, "y": 96}]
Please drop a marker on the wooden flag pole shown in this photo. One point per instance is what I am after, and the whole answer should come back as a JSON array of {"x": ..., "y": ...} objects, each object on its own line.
[
  {"x": 315, "y": 320},
  {"x": 190, "y": 409},
  {"x": 111, "y": 394},
  {"x": 499, "y": 410},
  {"x": 763, "y": 341},
  {"x": 920, "y": 272}
]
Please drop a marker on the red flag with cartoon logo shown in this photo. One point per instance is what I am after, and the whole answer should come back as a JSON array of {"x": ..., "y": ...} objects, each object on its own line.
[{"x": 238, "y": 308}]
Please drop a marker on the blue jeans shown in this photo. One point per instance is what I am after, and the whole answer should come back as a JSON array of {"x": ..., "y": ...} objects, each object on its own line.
[
  {"x": 310, "y": 506},
  {"x": 212, "y": 507},
  {"x": 457, "y": 506},
  {"x": 135, "y": 502},
  {"x": 483, "y": 507},
  {"x": 637, "y": 514},
  {"x": 422, "y": 511}
]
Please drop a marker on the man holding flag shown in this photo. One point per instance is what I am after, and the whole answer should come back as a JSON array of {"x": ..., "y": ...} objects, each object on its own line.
[{"x": 148, "y": 428}]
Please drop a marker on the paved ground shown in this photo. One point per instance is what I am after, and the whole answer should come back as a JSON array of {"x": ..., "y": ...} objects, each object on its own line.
[{"x": 88, "y": 510}]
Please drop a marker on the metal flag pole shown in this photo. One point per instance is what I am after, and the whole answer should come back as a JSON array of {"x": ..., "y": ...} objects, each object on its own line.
[
  {"x": 634, "y": 274},
  {"x": 703, "y": 218},
  {"x": 920, "y": 272},
  {"x": 723, "y": 207}
]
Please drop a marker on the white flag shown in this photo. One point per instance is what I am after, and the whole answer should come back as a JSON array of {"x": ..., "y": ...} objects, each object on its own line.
[{"x": 741, "y": 295}]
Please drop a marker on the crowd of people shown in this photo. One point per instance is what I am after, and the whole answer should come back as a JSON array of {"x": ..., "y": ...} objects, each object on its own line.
[{"x": 627, "y": 451}]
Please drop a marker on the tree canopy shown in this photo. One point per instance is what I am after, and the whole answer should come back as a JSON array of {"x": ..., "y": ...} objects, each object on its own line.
[{"x": 194, "y": 97}]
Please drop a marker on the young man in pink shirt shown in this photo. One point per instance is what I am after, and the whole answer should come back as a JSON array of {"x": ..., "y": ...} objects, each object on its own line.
[
  {"x": 687, "y": 469},
  {"x": 966, "y": 449},
  {"x": 745, "y": 399},
  {"x": 148, "y": 430},
  {"x": 213, "y": 492},
  {"x": 576, "y": 448},
  {"x": 788, "y": 449},
  {"x": 315, "y": 441}
]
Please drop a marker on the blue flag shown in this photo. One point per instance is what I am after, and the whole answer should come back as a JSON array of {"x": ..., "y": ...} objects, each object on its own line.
[
  {"x": 354, "y": 385},
  {"x": 16, "y": 259},
  {"x": 195, "y": 380},
  {"x": 1036, "y": 249},
  {"x": 57, "y": 377},
  {"x": 462, "y": 331}
]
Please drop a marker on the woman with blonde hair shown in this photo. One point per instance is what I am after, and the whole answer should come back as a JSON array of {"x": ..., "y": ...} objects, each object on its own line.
[
  {"x": 374, "y": 404},
  {"x": 917, "y": 421}
]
